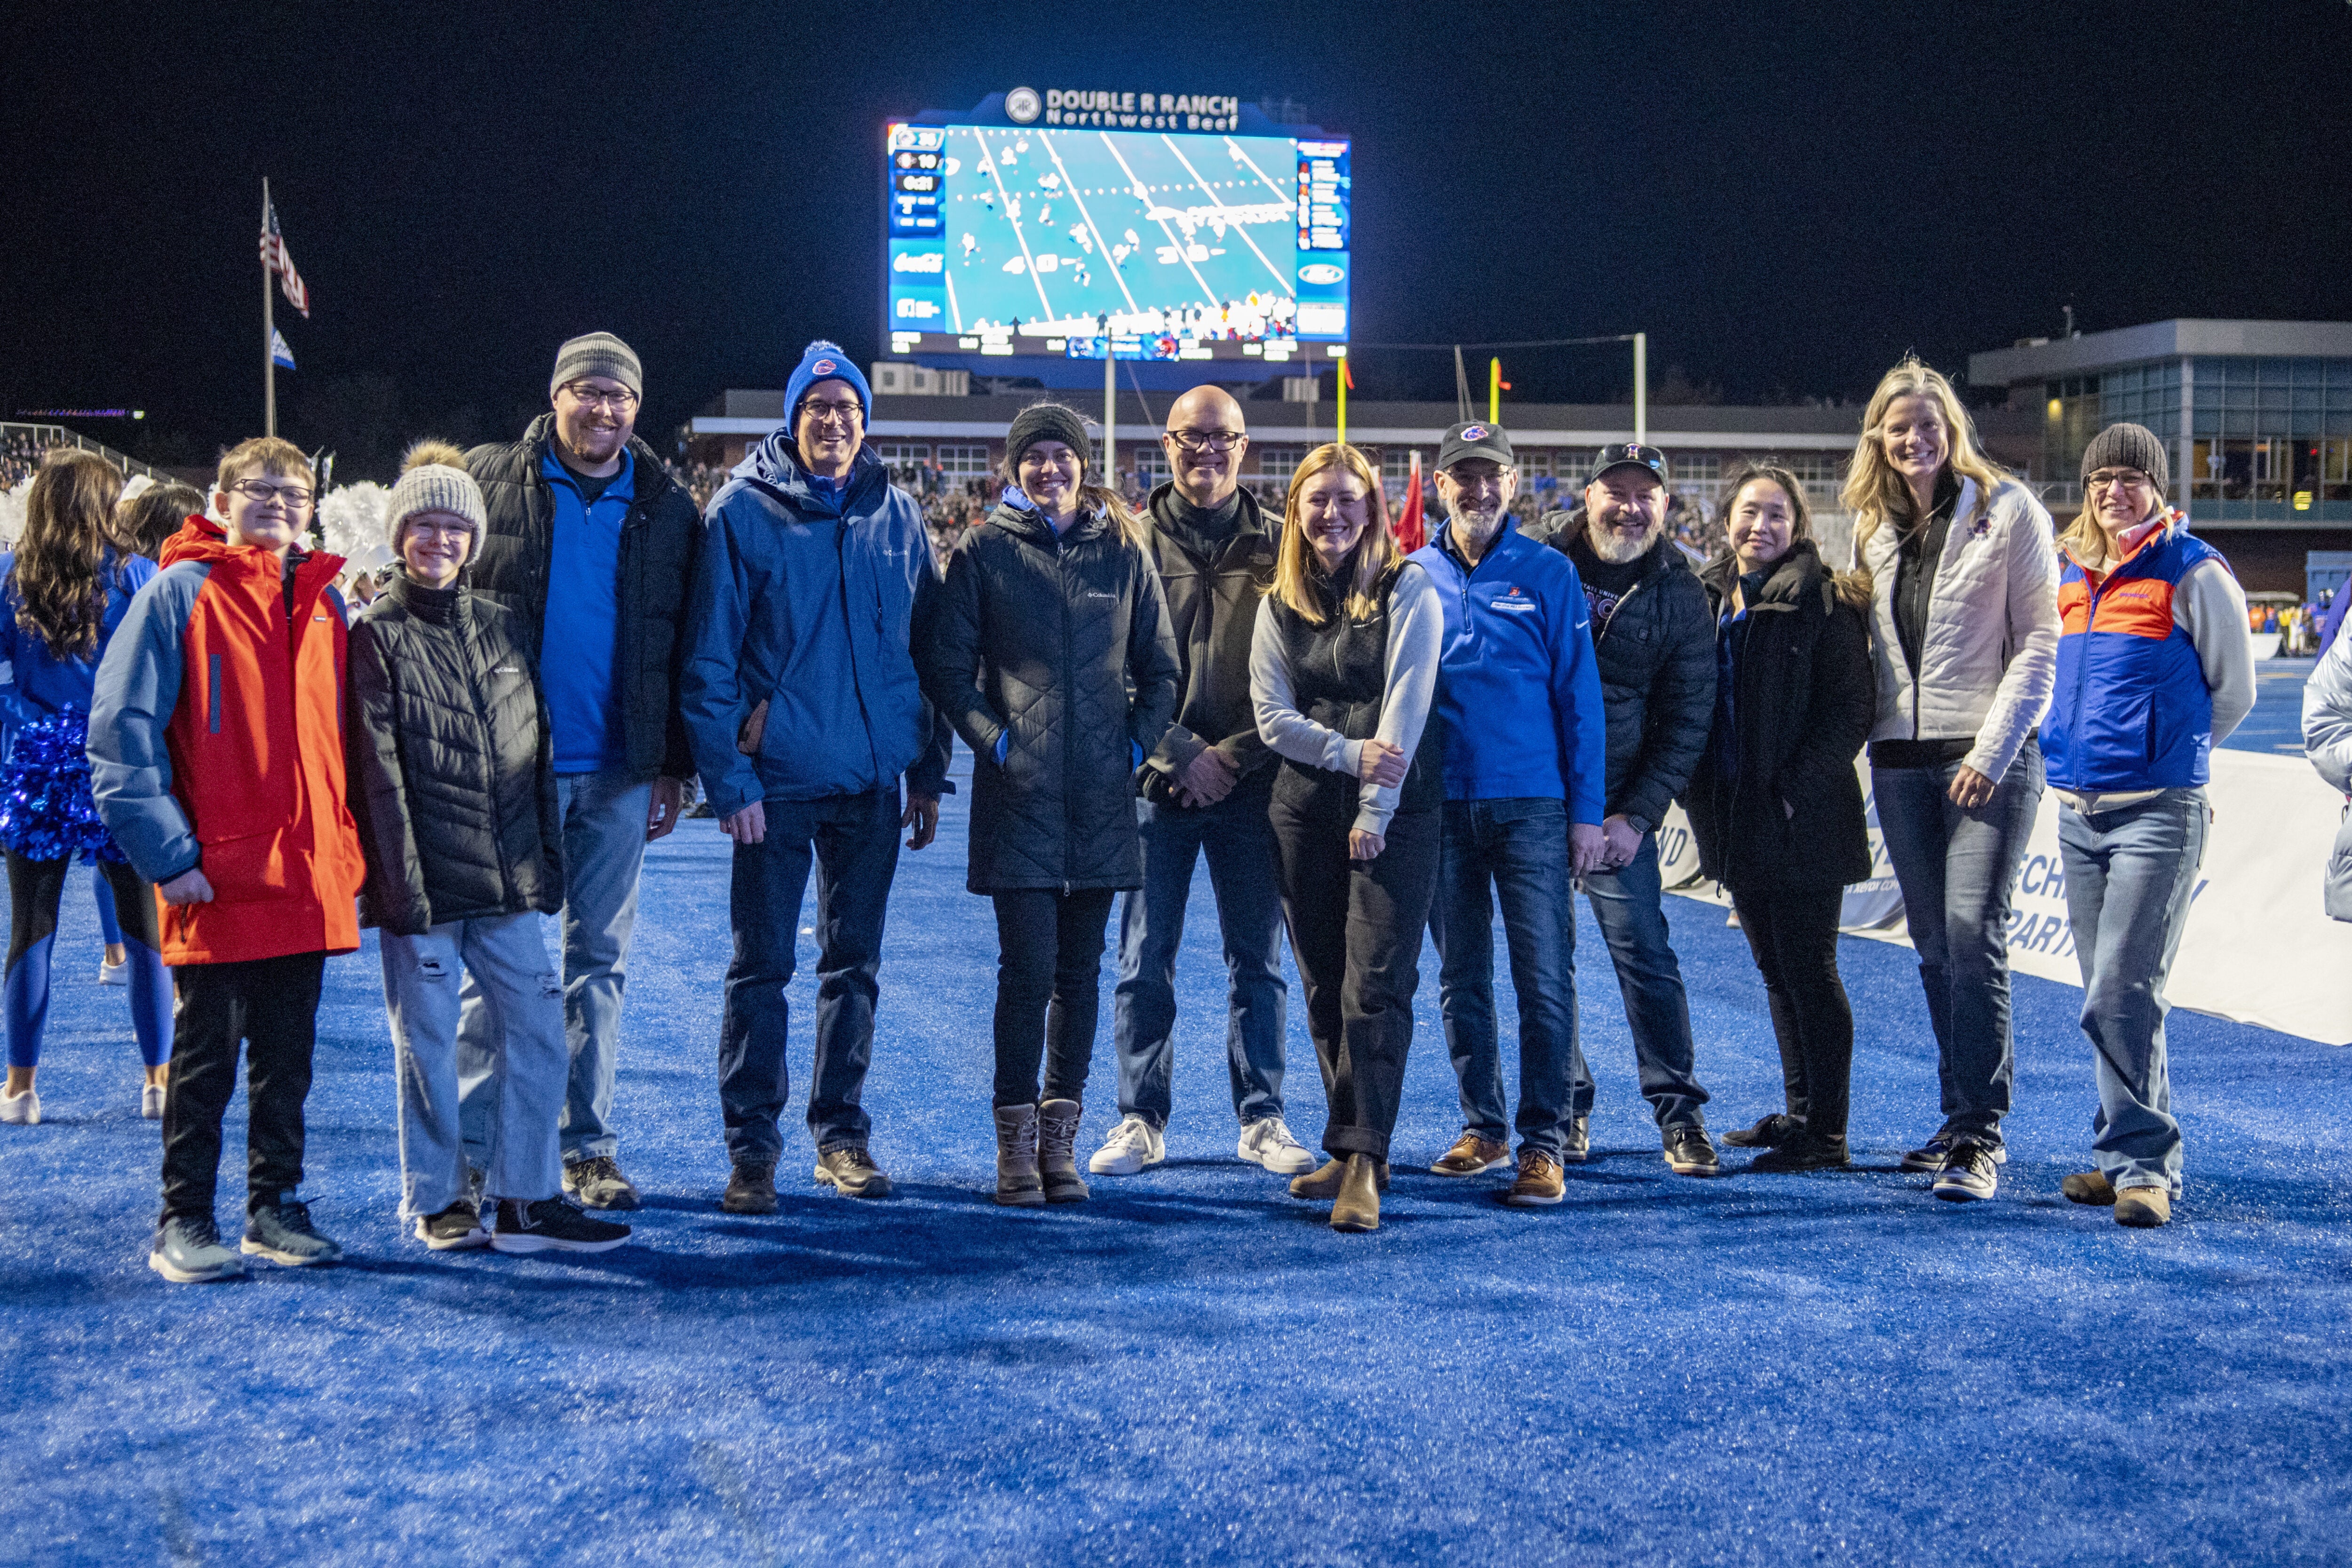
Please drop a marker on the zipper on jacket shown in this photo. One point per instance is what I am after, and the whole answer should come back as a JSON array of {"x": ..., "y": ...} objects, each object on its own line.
[
  {"x": 1621, "y": 600},
  {"x": 1069, "y": 689},
  {"x": 849, "y": 627}
]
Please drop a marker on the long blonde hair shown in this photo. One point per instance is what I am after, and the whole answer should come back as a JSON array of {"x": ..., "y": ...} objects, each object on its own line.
[
  {"x": 60, "y": 564},
  {"x": 1294, "y": 568},
  {"x": 1874, "y": 492}
]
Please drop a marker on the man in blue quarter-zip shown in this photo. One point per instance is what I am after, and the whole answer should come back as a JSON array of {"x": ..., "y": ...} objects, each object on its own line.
[
  {"x": 803, "y": 711},
  {"x": 1526, "y": 763}
]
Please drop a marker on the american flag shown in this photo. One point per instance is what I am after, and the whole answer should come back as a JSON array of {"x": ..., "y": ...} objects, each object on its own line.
[{"x": 275, "y": 259}]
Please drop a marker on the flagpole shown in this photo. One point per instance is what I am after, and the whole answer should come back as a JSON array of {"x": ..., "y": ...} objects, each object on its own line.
[{"x": 268, "y": 334}]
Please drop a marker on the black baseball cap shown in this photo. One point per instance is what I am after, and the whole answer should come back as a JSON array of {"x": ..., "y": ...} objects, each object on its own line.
[
  {"x": 1632, "y": 455},
  {"x": 1478, "y": 438}
]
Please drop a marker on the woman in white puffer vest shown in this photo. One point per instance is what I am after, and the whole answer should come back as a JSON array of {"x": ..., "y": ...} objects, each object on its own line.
[{"x": 1964, "y": 637}]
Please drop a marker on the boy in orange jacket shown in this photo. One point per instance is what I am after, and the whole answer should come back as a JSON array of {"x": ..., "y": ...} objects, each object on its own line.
[{"x": 217, "y": 759}]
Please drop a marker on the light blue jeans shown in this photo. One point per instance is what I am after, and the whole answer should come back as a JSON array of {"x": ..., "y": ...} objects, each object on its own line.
[
  {"x": 603, "y": 850},
  {"x": 507, "y": 979},
  {"x": 2129, "y": 877}
]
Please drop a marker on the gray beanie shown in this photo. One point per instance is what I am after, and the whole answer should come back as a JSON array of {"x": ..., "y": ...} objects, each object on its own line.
[
  {"x": 434, "y": 480},
  {"x": 1046, "y": 421},
  {"x": 597, "y": 354},
  {"x": 2128, "y": 447}
]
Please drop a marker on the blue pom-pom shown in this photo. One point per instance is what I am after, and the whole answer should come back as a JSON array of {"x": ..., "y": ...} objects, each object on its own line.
[{"x": 45, "y": 811}]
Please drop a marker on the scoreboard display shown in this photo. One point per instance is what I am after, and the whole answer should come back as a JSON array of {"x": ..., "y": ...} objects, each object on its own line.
[{"x": 1166, "y": 241}]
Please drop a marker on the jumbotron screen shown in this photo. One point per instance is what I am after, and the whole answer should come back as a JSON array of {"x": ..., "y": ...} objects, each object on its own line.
[{"x": 1030, "y": 239}]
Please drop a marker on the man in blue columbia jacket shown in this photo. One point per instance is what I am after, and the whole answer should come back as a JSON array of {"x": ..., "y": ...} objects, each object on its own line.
[
  {"x": 1526, "y": 765},
  {"x": 802, "y": 709}
]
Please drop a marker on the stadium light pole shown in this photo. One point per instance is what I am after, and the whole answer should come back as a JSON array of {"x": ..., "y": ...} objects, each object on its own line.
[
  {"x": 1110, "y": 410},
  {"x": 1641, "y": 389}
]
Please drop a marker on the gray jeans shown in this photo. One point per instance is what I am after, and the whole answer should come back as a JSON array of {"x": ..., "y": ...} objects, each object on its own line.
[
  {"x": 507, "y": 977},
  {"x": 603, "y": 850},
  {"x": 2129, "y": 876}
]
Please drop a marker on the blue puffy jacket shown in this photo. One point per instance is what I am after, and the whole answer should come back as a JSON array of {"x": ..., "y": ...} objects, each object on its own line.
[{"x": 804, "y": 598}]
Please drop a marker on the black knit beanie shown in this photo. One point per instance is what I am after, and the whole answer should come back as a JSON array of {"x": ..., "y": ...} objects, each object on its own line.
[
  {"x": 2128, "y": 447},
  {"x": 1046, "y": 421}
]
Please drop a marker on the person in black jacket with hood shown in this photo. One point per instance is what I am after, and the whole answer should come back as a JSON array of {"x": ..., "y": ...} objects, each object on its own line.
[
  {"x": 591, "y": 543},
  {"x": 1776, "y": 806},
  {"x": 453, "y": 790},
  {"x": 1049, "y": 648},
  {"x": 1652, "y": 641}
]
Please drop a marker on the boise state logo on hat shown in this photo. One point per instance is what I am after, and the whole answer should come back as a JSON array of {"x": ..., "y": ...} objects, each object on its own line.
[
  {"x": 1474, "y": 433},
  {"x": 822, "y": 368},
  {"x": 1474, "y": 439}
]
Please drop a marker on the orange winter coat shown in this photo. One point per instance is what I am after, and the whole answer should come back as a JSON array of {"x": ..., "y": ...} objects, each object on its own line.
[{"x": 216, "y": 741}]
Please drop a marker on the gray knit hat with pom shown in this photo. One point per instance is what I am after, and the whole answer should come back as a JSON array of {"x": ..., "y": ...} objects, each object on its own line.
[{"x": 432, "y": 478}]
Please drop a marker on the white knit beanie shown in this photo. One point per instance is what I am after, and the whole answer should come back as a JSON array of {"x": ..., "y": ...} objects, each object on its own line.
[{"x": 432, "y": 478}]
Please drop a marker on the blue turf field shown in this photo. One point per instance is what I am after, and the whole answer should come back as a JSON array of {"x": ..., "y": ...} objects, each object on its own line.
[{"x": 1191, "y": 1368}]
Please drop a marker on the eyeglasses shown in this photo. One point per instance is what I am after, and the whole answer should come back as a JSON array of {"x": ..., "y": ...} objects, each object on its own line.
[
  {"x": 2126, "y": 478},
  {"x": 620, "y": 402},
  {"x": 847, "y": 414},
  {"x": 1207, "y": 440},
  {"x": 443, "y": 530},
  {"x": 262, "y": 490}
]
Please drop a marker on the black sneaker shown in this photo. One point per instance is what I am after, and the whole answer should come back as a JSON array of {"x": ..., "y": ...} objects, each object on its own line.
[
  {"x": 282, "y": 1232},
  {"x": 597, "y": 1182},
  {"x": 1967, "y": 1174},
  {"x": 188, "y": 1252},
  {"x": 1688, "y": 1151},
  {"x": 1576, "y": 1141},
  {"x": 1930, "y": 1157},
  {"x": 1804, "y": 1152},
  {"x": 552, "y": 1224},
  {"x": 455, "y": 1228},
  {"x": 1773, "y": 1132}
]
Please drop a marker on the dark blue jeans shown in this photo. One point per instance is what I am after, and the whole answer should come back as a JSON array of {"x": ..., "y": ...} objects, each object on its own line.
[
  {"x": 854, "y": 840},
  {"x": 1628, "y": 905},
  {"x": 1958, "y": 870},
  {"x": 1238, "y": 839},
  {"x": 1516, "y": 850}
]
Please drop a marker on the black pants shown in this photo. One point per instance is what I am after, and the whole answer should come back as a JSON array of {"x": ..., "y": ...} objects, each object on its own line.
[
  {"x": 1793, "y": 935},
  {"x": 1354, "y": 930},
  {"x": 271, "y": 1004},
  {"x": 1048, "y": 989}
]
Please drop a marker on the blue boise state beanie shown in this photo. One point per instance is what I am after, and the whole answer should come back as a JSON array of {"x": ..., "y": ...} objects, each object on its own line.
[{"x": 824, "y": 361}]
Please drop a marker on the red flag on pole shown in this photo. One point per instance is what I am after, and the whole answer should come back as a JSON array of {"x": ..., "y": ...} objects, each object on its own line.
[{"x": 1411, "y": 531}]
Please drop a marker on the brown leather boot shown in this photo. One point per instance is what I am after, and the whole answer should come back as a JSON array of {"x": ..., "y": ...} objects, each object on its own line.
[
  {"x": 1358, "y": 1204},
  {"x": 1057, "y": 1164},
  {"x": 1322, "y": 1183},
  {"x": 1017, "y": 1183}
]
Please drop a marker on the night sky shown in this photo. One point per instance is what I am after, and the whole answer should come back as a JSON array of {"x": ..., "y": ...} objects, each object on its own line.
[{"x": 1785, "y": 197}]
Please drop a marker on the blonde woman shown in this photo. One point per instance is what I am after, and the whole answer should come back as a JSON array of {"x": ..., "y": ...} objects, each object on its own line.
[
  {"x": 1964, "y": 642},
  {"x": 1343, "y": 674}
]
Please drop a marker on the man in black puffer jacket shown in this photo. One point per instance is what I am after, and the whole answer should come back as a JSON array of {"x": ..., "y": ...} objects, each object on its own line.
[
  {"x": 1654, "y": 644},
  {"x": 452, "y": 783},
  {"x": 591, "y": 543}
]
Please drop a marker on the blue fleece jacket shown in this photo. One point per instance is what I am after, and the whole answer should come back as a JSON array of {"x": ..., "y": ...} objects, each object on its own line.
[
  {"x": 804, "y": 598},
  {"x": 579, "y": 649},
  {"x": 1518, "y": 688},
  {"x": 35, "y": 683}
]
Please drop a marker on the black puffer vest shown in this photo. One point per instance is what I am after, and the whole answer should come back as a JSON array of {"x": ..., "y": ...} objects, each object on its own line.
[{"x": 1338, "y": 675}]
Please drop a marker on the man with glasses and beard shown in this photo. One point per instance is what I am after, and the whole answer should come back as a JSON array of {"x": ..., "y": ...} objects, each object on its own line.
[
  {"x": 1205, "y": 791},
  {"x": 590, "y": 542},
  {"x": 1654, "y": 644},
  {"x": 1524, "y": 764}
]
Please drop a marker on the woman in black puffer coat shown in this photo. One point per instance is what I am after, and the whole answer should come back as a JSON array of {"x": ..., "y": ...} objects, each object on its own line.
[
  {"x": 452, "y": 777},
  {"x": 1050, "y": 650},
  {"x": 1775, "y": 804}
]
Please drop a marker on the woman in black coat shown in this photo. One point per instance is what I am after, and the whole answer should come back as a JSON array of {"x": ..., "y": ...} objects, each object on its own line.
[
  {"x": 1776, "y": 806},
  {"x": 1050, "y": 650}
]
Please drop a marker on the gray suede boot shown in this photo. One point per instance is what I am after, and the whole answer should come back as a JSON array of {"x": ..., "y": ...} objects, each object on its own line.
[
  {"x": 1057, "y": 1162},
  {"x": 1016, "y": 1157}
]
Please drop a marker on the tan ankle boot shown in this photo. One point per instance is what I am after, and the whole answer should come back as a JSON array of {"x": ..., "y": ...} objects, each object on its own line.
[
  {"x": 1322, "y": 1183},
  {"x": 1358, "y": 1204},
  {"x": 1057, "y": 1162},
  {"x": 1017, "y": 1181}
]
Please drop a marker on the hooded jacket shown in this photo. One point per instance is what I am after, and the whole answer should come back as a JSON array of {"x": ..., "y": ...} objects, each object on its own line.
[
  {"x": 1989, "y": 655},
  {"x": 1039, "y": 642},
  {"x": 216, "y": 739},
  {"x": 806, "y": 597},
  {"x": 657, "y": 538},
  {"x": 1774, "y": 802},
  {"x": 2327, "y": 741},
  {"x": 1657, "y": 659},
  {"x": 1213, "y": 606},
  {"x": 452, "y": 762}
]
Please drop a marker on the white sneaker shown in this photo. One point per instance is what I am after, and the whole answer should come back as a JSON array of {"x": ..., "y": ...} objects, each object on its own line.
[
  {"x": 1268, "y": 1143},
  {"x": 21, "y": 1110},
  {"x": 113, "y": 974},
  {"x": 1131, "y": 1146},
  {"x": 151, "y": 1103}
]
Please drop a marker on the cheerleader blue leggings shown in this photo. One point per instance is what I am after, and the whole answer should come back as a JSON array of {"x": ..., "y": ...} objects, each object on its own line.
[
  {"x": 103, "y": 893},
  {"x": 35, "y": 888}
]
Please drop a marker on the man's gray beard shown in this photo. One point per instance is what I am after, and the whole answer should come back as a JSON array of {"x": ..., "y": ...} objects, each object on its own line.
[{"x": 1617, "y": 551}]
